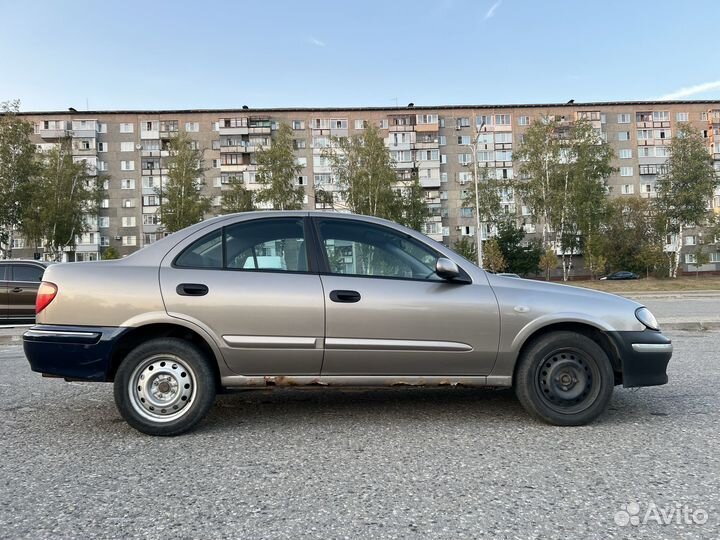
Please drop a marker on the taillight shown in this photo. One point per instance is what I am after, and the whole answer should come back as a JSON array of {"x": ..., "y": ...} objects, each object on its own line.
[{"x": 46, "y": 294}]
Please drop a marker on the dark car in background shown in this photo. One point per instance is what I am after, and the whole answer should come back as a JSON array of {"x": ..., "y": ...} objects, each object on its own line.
[
  {"x": 622, "y": 274},
  {"x": 19, "y": 282}
]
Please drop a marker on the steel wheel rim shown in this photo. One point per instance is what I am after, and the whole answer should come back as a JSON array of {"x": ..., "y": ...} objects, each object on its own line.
[
  {"x": 162, "y": 388},
  {"x": 568, "y": 380}
]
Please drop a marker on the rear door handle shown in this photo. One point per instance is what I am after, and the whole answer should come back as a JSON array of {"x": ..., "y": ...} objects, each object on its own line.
[
  {"x": 192, "y": 289},
  {"x": 346, "y": 297},
  {"x": 17, "y": 289}
]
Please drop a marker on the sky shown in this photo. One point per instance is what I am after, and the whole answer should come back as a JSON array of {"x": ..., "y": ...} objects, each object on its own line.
[{"x": 132, "y": 54}]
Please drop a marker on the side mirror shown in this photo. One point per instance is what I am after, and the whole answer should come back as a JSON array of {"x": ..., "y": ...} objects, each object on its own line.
[{"x": 447, "y": 269}]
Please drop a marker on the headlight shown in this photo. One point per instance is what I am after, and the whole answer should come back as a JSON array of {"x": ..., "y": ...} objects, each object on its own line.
[{"x": 648, "y": 319}]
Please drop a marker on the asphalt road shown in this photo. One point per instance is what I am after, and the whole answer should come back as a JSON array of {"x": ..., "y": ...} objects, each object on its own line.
[
  {"x": 398, "y": 463},
  {"x": 683, "y": 307}
]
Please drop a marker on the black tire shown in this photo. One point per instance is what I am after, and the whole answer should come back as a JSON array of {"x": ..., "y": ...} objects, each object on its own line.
[
  {"x": 564, "y": 378},
  {"x": 164, "y": 387}
]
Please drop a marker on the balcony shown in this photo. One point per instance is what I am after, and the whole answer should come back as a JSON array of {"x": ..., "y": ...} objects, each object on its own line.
[
  {"x": 167, "y": 134},
  {"x": 155, "y": 171},
  {"x": 240, "y": 167},
  {"x": 155, "y": 153},
  {"x": 150, "y": 134},
  {"x": 430, "y": 182},
  {"x": 83, "y": 133},
  {"x": 424, "y": 128},
  {"x": 55, "y": 133},
  {"x": 78, "y": 151},
  {"x": 238, "y": 149}
]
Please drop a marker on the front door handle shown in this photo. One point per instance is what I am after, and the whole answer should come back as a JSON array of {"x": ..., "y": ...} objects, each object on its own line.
[
  {"x": 17, "y": 289},
  {"x": 346, "y": 297},
  {"x": 192, "y": 289}
]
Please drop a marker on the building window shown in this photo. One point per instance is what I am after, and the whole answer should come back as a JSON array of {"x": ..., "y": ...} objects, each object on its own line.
[
  {"x": 129, "y": 240},
  {"x": 661, "y": 116},
  {"x": 360, "y": 124},
  {"x": 623, "y": 118},
  {"x": 442, "y": 141},
  {"x": 523, "y": 120},
  {"x": 301, "y": 161},
  {"x": 128, "y": 203},
  {"x": 193, "y": 127},
  {"x": 626, "y": 171},
  {"x": 151, "y": 200},
  {"x": 103, "y": 222},
  {"x": 126, "y": 128},
  {"x": 503, "y": 155},
  {"x": 127, "y": 183},
  {"x": 151, "y": 219},
  {"x": 625, "y": 153},
  {"x": 105, "y": 203},
  {"x": 299, "y": 144},
  {"x": 128, "y": 221},
  {"x": 102, "y": 127},
  {"x": 623, "y": 135},
  {"x": 464, "y": 159},
  {"x": 464, "y": 139},
  {"x": 466, "y": 212},
  {"x": 127, "y": 165},
  {"x": 127, "y": 146},
  {"x": 628, "y": 189},
  {"x": 682, "y": 116},
  {"x": 690, "y": 240},
  {"x": 463, "y": 122},
  {"x": 703, "y": 116},
  {"x": 298, "y": 124},
  {"x": 424, "y": 119}
]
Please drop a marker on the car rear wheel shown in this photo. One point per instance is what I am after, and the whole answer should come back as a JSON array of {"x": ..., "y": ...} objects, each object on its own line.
[
  {"x": 164, "y": 387},
  {"x": 564, "y": 378}
]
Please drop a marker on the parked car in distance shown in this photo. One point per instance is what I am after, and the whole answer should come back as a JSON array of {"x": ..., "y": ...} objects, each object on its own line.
[
  {"x": 622, "y": 274},
  {"x": 19, "y": 282},
  {"x": 266, "y": 299}
]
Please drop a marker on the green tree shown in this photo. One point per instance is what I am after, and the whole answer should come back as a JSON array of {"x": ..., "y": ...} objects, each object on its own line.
[
  {"x": 489, "y": 197},
  {"x": 18, "y": 165},
  {"x": 628, "y": 233},
  {"x": 182, "y": 203},
  {"x": 702, "y": 257},
  {"x": 520, "y": 259},
  {"x": 493, "y": 258},
  {"x": 685, "y": 189},
  {"x": 238, "y": 198},
  {"x": 60, "y": 201},
  {"x": 548, "y": 263},
  {"x": 566, "y": 167},
  {"x": 110, "y": 253},
  {"x": 412, "y": 208},
  {"x": 465, "y": 247},
  {"x": 278, "y": 171},
  {"x": 365, "y": 174}
]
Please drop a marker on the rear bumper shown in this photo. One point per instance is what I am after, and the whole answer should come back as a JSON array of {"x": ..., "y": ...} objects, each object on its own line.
[
  {"x": 73, "y": 352},
  {"x": 644, "y": 356}
]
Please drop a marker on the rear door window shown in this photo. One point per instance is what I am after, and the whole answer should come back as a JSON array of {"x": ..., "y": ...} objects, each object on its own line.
[{"x": 27, "y": 272}]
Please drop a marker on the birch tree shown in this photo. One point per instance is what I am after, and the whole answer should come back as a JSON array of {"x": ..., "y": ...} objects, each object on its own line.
[
  {"x": 182, "y": 203},
  {"x": 566, "y": 167},
  {"x": 60, "y": 202},
  {"x": 278, "y": 171},
  {"x": 18, "y": 165},
  {"x": 684, "y": 191}
]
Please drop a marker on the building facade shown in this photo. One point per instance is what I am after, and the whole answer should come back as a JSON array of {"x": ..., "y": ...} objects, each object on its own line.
[{"x": 130, "y": 148}]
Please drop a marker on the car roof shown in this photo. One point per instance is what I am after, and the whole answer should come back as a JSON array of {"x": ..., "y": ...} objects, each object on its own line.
[{"x": 24, "y": 261}]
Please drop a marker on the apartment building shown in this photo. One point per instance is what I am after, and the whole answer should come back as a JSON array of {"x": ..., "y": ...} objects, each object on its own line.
[{"x": 130, "y": 147}]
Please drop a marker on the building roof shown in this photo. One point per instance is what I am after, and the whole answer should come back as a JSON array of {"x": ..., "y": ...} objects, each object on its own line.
[{"x": 389, "y": 109}]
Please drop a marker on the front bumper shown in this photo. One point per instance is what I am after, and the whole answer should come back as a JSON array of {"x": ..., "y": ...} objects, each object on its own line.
[
  {"x": 74, "y": 352},
  {"x": 644, "y": 357}
]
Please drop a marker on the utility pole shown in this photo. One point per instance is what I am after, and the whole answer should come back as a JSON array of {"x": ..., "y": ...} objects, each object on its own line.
[{"x": 478, "y": 220}]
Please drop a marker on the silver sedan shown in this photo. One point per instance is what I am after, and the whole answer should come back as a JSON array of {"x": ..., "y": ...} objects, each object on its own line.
[{"x": 304, "y": 298}]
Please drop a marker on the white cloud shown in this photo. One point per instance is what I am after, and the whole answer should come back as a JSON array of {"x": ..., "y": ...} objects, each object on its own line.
[
  {"x": 692, "y": 90},
  {"x": 315, "y": 41},
  {"x": 491, "y": 12}
]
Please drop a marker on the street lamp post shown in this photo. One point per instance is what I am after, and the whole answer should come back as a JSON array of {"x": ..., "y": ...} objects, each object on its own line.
[{"x": 478, "y": 222}]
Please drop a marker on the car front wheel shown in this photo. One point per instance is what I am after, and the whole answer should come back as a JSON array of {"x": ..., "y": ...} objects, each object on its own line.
[
  {"x": 564, "y": 378},
  {"x": 164, "y": 387}
]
